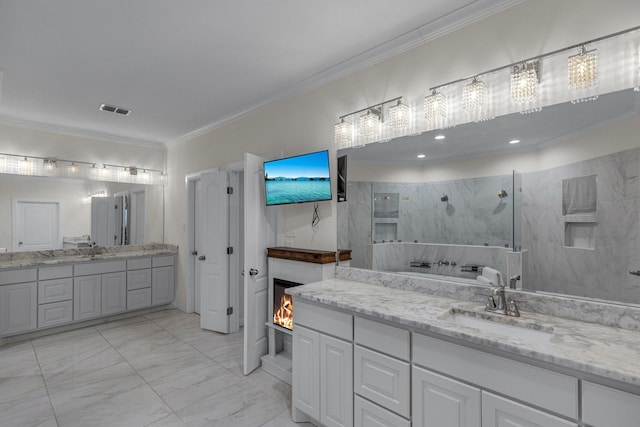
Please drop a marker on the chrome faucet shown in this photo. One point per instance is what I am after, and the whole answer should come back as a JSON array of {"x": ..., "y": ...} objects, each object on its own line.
[
  {"x": 497, "y": 303},
  {"x": 513, "y": 280},
  {"x": 94, "y": 249}
]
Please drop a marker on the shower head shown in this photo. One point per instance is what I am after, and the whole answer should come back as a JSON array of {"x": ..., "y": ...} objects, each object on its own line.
[
  {"x": 502, "y": 194},
  {"x": 444, "y": 198}
]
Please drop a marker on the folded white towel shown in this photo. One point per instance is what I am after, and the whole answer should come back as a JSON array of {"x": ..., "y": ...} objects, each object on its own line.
[
  {"x": 484, "y": 281},
  {"x": 493, "y": 275}
]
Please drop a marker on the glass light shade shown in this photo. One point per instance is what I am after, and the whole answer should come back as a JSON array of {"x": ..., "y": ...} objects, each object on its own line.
[
  {"x": 524, "y": 83},
  {"x": 399, "y": 116},
  {"x": 475, "y": 97},
  {"x": 435, "y": 107},
  {"x": 369, "y": 124},
  {"x": 583, "y": 70},
  {"x": 343, "y": 133}
]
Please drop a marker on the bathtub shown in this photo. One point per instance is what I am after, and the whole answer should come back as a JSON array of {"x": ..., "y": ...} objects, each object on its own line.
[{"x": 467, "y": 280}]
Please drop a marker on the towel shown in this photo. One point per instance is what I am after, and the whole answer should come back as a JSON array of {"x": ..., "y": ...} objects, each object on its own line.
[
  {"x": 484, "y": 281},
  {"x": 493, "y": 275}
]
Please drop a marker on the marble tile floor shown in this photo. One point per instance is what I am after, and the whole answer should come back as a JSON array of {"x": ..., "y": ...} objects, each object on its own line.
[{"x": 159, "y": 369}]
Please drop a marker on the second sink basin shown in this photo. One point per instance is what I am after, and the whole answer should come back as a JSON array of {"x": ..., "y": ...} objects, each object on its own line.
[{"x": 508, "y": 327}]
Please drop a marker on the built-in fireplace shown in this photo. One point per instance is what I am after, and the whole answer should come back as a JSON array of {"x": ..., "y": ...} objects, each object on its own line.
[{"x": 283, "y": 303}]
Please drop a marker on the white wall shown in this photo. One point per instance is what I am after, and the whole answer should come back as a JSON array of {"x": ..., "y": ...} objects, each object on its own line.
[{"x": 305, "y": 123}]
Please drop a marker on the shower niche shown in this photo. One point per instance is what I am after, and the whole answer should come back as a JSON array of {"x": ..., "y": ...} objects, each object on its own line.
[
  {"x": 579, "y": 211},
  {"x": 386, "y": 208}
]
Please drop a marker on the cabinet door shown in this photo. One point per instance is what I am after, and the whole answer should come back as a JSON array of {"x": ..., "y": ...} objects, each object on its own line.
[
  {"x": 18, "y": 308},
  {"x": 114, "y": 292},
  {"x": 87, "y": 297},
  {"x": 162, "y": 285},
  {"x": 441, "y": 401},
  {"x": 336, "y": 382},
  {"x": 499, "y": 412},
  {"x": 306, "y": 371}
]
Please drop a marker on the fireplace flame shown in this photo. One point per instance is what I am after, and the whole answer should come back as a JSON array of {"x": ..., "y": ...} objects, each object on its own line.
[{"x": 283, "y": 316}]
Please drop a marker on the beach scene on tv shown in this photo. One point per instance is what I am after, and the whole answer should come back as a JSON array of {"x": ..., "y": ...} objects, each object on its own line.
[{"x": 298, "y": 179}]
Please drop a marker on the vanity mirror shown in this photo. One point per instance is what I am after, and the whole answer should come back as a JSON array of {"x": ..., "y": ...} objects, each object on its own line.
[
  {"x": 560, "y": 208},
  {"x": 70, "y": 201}
]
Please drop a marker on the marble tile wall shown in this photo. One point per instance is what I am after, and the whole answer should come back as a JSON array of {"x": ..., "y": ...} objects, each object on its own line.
[
  {"x": 601, "y": 272},
  {"x": 473, "y": 214}
]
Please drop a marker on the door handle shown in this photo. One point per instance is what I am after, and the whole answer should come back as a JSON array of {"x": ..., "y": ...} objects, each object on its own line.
[
  {"x": 253, "y": 272},
  {"x": 202, "y": 257},
  {"x": 635, "y": 273},
  {"x": 194, "y": 253}
]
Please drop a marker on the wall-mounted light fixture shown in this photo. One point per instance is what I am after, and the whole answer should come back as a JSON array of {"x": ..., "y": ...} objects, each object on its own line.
[
  {"x": 520, "y": 86},
  {"x": 377, "y": 118},
  {"x": 19, "y": 164}
]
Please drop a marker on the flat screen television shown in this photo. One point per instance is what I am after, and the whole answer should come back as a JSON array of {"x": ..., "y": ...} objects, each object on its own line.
[{"x": 298, "y": 179}]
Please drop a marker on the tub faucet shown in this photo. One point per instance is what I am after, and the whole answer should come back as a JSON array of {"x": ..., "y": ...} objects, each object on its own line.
[{"x": 497, "y": 303}]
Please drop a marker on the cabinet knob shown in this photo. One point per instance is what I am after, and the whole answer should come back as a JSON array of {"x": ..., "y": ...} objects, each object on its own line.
[
  {"x": 253, "y": 272},
  {"x": 202, "y": 257}
]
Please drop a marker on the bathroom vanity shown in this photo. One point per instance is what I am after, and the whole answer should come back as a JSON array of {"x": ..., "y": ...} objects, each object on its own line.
[
  {"x": 395, "y": 353},
  {"x": 46, "y": 289}
]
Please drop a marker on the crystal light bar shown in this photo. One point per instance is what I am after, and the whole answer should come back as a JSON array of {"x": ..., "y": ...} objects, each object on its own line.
[{"x": 56, "y": 168}]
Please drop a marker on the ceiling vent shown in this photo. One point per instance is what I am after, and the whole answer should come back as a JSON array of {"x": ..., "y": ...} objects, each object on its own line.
[{"x": 113, "y": 109}]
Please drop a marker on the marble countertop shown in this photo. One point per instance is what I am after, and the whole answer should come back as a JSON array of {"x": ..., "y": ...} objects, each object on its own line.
[
  {"x": 66, "y": 256},
  {"x": 604, "y": 351}
]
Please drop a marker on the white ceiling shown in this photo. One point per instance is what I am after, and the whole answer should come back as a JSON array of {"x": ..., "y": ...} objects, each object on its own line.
[{"x": 187, "y": 66}]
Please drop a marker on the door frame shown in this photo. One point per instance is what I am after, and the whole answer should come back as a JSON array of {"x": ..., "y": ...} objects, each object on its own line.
[
  {"x": 234, "y": 241},
  {"x": 190, "y": 286}
]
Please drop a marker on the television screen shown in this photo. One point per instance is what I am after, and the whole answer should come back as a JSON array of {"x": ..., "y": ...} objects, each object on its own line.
[{"x": 298, "y": 179}]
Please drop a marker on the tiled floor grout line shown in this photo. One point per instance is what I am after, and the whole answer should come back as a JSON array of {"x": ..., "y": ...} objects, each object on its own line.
[{"x": 44, "y": 381}]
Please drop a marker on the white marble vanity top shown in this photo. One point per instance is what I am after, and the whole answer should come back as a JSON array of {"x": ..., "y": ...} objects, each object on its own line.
[
  {"x": 65, "y": 256},
  {"x": 604, "y": 351}
]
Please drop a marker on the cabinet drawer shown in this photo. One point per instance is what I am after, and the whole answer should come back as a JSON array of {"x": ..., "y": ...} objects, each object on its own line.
[
  {"x": 138, "y": 279},
  {"x": 382, "y": 379},
  {"x": 369, "y": 415},
  {"x": 58, "y": 272},
  {"x": 498, "y": 411},
  {"x": 55, "y": 313},
  {"x": 323, "y": 319},
  {"x": 537, "y": 386},
  {"x": 138, "y": 264},
  {"x": 607, "y": 407},
  {"x": 99, "y": 268},
  {"x": 55, "y": 290},
  {"x": 18, "y": 276},
  {"x": 162, "y": 261},
  {"x": 383, "y": 338},
  {"x": 139, "y": 298}
]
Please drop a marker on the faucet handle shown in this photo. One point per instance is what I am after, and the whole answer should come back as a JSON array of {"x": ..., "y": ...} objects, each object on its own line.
[
  {"x": 491, "y": 303},
  {"x": 512, "y": 308}
]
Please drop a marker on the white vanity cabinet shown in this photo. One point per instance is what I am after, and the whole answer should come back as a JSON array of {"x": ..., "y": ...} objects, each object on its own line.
[
  {"x": 18, "y": 301},
  {"x": 55, "y": 295},
  {"x": 323, "y": 365},
  {"x": 162, "y": 280},
  {"x": 498, "y": 412},
  {"x": 607, "y": 407},
  {"x": 99, "y": 289}
]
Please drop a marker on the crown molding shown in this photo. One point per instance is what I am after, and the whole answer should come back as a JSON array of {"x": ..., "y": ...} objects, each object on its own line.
[
  {"x": 462, "y": 17},
  {"x": 78, "y": 132}
]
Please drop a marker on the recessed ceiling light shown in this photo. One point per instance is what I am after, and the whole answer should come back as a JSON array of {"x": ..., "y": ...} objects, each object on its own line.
[
  {"x": 440, "y": 137},
  {"x": 514, "y": 141},
  {"x": 422, "y": 156},
  {"x": 113, "y": 109}
]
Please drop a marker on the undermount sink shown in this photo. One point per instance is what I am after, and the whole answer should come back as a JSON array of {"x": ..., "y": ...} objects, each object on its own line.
[{"x": 510, "y": 327}]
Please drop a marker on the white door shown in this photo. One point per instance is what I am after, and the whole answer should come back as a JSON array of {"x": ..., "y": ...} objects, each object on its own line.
[
  {"x": 36, "y": 225},
  {"x": 137, "y": 215},
  {"x": 106, "y": 220},
  {"x": 213, "y": 258},
  {"x": 260, "y": 231}
]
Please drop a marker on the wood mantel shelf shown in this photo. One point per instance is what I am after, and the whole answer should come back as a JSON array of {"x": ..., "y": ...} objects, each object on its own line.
[{"x": 308, "y": 255}]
